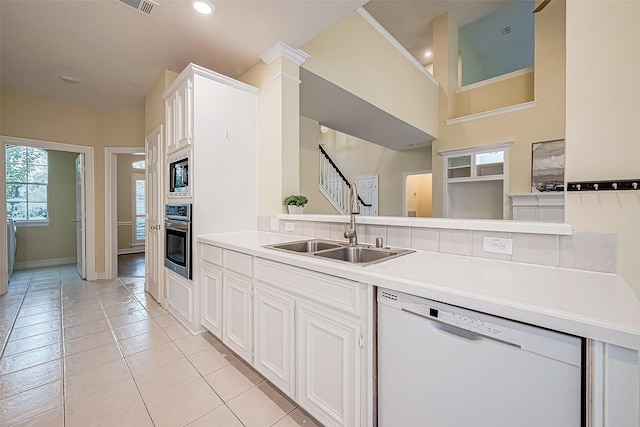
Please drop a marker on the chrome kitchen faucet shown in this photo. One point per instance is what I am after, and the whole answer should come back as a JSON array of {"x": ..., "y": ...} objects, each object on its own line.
[{"x": 355, "y": 210}]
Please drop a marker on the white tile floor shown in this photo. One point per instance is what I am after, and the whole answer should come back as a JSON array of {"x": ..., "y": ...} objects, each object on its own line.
[{"x": 105, "y": 353}]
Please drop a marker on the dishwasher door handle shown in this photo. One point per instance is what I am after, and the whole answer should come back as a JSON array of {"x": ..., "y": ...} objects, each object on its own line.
[{"x": 458, "y": 331}]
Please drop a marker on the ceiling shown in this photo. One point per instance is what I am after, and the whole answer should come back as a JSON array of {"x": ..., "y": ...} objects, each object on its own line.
[{"x": 117, "y": 52}]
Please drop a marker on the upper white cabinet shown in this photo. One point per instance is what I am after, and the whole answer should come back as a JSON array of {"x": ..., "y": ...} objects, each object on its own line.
[
  {"x": 180, "y": 116},
  {"x": 476, "y": 182},
  {"x": 547, "y": 207}
]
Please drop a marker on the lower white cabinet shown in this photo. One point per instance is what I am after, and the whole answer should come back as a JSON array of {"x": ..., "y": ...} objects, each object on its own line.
[
  {"x": 236, "y": 324},
  {"x": 211, "y": 280},
  {"x": 328, "y": 365},
  {"x": 274, "y": 336}
]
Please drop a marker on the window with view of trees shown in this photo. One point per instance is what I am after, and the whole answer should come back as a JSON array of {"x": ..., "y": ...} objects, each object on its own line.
[
  {"x": 27, "y": 182},
  {"x": 139, "y": 220}
]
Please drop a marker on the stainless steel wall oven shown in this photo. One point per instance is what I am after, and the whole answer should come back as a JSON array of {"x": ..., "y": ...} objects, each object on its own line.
[{"x": 177, "y": 246}]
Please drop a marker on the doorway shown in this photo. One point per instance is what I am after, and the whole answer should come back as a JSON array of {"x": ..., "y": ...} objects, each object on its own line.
[
  {"x": 120, "y": 202},
  {"x": 418, "y": 194},
  {"x": 89, "y": 225}
]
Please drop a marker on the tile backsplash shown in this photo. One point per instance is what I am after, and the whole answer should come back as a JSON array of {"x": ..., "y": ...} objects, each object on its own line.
[{"x": 581, "y": 251}]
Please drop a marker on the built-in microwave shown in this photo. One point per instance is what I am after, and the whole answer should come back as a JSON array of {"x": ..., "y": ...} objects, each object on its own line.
[{"x": 178, "y": 174}]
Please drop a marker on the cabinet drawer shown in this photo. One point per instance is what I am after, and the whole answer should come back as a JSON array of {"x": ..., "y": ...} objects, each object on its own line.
[
  {"x": 211, "y": 254},
  {"x": 335, "y": 292},
  {"x": 240, "y": 263}
]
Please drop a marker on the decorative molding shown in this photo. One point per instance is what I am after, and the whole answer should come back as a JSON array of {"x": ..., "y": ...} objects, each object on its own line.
[
  {"x": 490, "y": 113},
  {"x": 281, "y": 49},
  {"x": 44, "y": 263},
  {"x": 478, "y": 148},
  {"x": 283, "y": 76},
  {"x": 193, "y": 69},
  {"x": 497, "y": 79},
  {"x": 384, "y": 33}
]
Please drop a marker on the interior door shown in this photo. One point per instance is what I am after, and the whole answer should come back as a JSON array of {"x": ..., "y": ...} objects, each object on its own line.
[
  {"x": 368, "y": 192},
  {"x": 81, "y": 250},
  {"x": 154, "y": 241}
]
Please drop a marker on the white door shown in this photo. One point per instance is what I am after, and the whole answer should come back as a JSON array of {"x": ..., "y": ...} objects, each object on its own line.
[
  {"x": 154, "y": 241},
  {"x": 81, "y": 253},
  {"x": 368, "y": 192}
]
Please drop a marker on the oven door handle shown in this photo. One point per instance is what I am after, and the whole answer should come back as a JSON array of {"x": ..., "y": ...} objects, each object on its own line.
[{"x": 176, "y": 225}]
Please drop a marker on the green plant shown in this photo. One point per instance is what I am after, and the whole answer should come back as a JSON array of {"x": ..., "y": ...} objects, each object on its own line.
[{"x": 296, "y": 200}]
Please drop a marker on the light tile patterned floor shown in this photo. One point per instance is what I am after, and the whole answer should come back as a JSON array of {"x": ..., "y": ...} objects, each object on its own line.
[{"x": 104, "y": 353}]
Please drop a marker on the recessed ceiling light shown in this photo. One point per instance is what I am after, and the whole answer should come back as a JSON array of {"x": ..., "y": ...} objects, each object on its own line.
[
  {"x": 428, "y": 54},
  {"x": 68, "y": 79},
  {"x": 203, "y": 7}
]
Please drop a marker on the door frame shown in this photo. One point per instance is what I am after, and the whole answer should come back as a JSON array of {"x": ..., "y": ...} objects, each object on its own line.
[
  {"x": 404, "y": 188},
  {"x": 89, "y": 198},
  {"x": 111, "y": 206}
]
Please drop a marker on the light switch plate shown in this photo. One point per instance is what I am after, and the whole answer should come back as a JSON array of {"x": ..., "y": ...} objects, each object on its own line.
[
  {"x": 288, "y": 226},
  {"x": 274, "y": 224},
  {"x": 497, "y": 245}
]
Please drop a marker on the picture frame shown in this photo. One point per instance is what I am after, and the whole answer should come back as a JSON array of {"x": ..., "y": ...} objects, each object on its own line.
[{"x": 547, "y": 166}]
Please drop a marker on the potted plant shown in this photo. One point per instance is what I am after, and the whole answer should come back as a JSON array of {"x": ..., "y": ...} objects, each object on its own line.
[{"x": 295, "y": 204}]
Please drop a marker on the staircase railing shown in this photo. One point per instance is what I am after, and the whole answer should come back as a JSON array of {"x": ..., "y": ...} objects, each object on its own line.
[{"x": 334, "y": 185}]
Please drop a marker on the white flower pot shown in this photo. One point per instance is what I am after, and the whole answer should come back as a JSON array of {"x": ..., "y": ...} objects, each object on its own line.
[{"x": 293, "y": 209}]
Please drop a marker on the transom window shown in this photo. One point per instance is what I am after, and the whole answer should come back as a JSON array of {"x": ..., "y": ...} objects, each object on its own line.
[{"x": 27, "y": 183}]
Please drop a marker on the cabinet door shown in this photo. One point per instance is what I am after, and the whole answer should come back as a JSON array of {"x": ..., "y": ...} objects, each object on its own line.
[
  {"x": 171, "y": 140},
  {"x": 184, "y": 116},
  {"x": 328, "y": 365},
  {"x": 274, "y": 337},
  {"x": 211, "y": 279},
  {"x": 236, "y": 324}
]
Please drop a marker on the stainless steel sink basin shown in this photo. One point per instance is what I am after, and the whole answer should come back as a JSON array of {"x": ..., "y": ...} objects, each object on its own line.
[
  {"x": 306, "y": 246},
  {"x": 362, "y": 255}
]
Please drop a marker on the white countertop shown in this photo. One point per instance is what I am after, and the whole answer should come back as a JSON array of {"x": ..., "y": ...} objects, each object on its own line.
[{"x": 599, "y": 306}]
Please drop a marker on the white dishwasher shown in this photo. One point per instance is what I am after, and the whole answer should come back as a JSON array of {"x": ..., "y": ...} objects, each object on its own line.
[{"x": 444, "y": 366}]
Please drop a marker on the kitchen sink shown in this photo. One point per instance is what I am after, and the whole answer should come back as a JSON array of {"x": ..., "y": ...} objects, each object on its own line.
[
  {"x": 306, "y": 246},
  {"x": 362, "y": 255}
]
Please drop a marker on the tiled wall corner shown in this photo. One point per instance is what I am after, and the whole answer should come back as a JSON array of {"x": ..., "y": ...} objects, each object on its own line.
[
  {"x": 397, "y": 237},
  {"x": 264, "y": 223},
  {"x": 308, "y": 229},
  {"x": 589, "y": 251},
  {"x": 323, "y": 230},
  {"x": 456, "y": 242},
  {"x": 425, "y": 239},
  {"x": 541, "y": 249},
  {"x": 477, "y": 240}
]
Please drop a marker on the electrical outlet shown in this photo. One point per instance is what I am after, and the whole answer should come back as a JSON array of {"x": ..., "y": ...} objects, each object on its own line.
[
  {"x": 288, "y": 226},
  {"x": 274, "y": 224},
  {"x": 497, "y": 245}
]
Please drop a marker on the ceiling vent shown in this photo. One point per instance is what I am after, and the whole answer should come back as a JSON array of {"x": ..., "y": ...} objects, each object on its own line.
[{"x": 146, "y": 7}]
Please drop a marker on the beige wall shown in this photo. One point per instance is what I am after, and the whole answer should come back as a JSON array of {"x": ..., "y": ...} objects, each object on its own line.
[
  {"x": 544, "y": 122},
  {"x": 419, "y": 194},
  {"x": 278, "y": 132},
  {"x": 356, "y": 157},
  {"x": 34, "y": 117},
  {"x": 125, "y": 197},
  {"x": 62, "y": 209},
  {"x": 602, "y": 123},
  {"x": 154, "y": 107},
  {"x": 356, "y": 57}
]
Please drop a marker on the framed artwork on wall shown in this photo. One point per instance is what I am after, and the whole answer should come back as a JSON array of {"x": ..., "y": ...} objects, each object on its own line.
[{"x": 547, "y": 166}]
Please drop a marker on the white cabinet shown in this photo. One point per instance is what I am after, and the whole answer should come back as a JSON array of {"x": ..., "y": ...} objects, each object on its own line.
[
  {"x": 274, "y": 336},
  {"x": 547, "y": 207},
  {"x": 180, "y": 117},
  {"x": 328, "y": 368},
  {"x": 211, "y": 281},
  {"x": 476, "y": 182},
  {"x": 236, "y": 323}
]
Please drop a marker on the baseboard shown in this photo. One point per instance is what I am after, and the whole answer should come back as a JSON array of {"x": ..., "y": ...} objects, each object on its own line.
[
  {"x": 44, "y": 263},
  {"x": 127, "y": 251}
]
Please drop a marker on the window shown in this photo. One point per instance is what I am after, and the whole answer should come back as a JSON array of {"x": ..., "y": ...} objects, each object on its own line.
[
  {"x": 140, "y": 164},
  {"x": 139, "y": 221},
  {"x": 27, "y": 183}
]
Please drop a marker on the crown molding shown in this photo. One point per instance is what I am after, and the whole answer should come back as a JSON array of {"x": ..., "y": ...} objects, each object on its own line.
[
  {"x": 491, "y": 113},
  {"x": 283, "y": 50}
]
